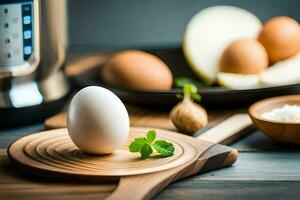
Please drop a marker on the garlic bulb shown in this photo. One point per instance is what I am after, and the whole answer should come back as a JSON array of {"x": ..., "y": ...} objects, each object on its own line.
[{"x": 187, "y": 116}]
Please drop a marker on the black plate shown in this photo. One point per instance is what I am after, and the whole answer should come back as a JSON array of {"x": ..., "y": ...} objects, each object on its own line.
[
  {"x": 13, "y": 117},
  {"x": 212, "y": 97}
]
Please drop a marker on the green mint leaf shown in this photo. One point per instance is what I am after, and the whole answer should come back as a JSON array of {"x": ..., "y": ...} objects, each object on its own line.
[
  {"x": 137, "y": 144},
  {"x": 146, "y": 151},
  {"x": 165, "y": 149},
  {"x": 145, "y": 146},
  {"x": 151, "y": 135}
]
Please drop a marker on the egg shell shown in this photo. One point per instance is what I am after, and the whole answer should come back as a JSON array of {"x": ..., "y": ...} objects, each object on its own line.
[
  {"x": 244, "y": 56},
  {"x": 137, "y": 70},
  {"x": 281, "y": 38},
  {"x": 97, "y": 121}
]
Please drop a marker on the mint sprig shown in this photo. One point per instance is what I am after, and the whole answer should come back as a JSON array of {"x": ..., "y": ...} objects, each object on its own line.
[
  {"x": 146, "y": 145},
  {"x": 165, "y": 149}
]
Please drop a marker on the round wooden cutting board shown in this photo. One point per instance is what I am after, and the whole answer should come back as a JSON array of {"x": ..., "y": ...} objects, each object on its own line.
[
  {"x": 53, "y": 151},
  {"x": 52, "y": 154}
]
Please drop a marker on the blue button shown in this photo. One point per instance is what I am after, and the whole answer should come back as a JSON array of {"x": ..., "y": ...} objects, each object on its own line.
[
  {"x": 27, "y": 35},
  {"x": 27, "y": 19},
  {"x": 27, "y": 50}
]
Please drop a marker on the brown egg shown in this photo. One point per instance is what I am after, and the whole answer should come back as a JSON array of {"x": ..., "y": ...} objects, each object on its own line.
[
  {"x": 281, "y": 38},
  {"x": 137, "y": 70},
  {"x": 245, "y": 56}
]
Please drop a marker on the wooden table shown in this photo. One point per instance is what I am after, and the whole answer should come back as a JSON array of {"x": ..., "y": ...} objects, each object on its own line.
[{"x": 264, "y": 170}]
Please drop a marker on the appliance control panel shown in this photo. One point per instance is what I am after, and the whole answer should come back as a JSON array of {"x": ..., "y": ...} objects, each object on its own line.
[{"x": 16, "y": 32}]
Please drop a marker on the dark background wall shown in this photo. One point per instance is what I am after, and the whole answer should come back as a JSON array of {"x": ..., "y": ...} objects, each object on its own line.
[{"x": 112, "y": 24}]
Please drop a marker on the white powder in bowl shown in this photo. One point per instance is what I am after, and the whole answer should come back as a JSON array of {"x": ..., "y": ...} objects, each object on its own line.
[{"x": 286, "y": 113}]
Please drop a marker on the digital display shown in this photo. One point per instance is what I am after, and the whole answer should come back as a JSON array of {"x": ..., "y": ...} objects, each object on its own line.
[{"x": 16, "y": 32}]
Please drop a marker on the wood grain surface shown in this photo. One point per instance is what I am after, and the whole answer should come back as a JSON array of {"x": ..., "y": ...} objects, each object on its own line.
[
  {"x": 256, "y": 176},
  {"x": 142, "y": 117},
  {"x": 138, "y": 117},
  {"x": 52, "y": 153},
  {"x": 216, "y": 157},
  {"x": 252, "y": 176}
]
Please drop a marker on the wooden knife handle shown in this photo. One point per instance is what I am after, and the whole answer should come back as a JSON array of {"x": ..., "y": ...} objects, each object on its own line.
[
  {"x": 218, "y": 156},
  {"x": 229, "y": 130},
  {"x": 144, "y": 187}
]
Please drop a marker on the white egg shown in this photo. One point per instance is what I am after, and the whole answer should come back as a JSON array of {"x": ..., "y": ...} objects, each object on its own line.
[{"x": 97, "y": 121}]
